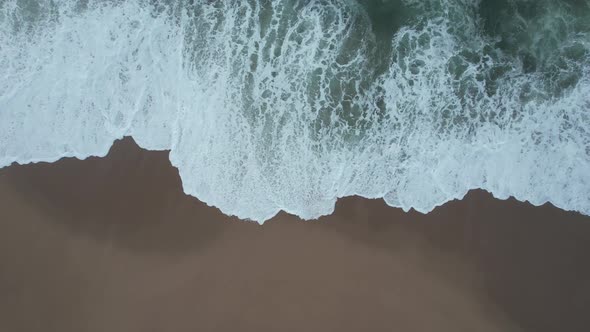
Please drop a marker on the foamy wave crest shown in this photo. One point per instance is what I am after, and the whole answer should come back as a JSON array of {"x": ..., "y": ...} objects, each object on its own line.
[{"x": 289, "y": 105}]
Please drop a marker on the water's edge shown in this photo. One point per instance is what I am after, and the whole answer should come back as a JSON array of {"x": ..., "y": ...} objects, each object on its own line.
[{"x": 406, "y": 209}]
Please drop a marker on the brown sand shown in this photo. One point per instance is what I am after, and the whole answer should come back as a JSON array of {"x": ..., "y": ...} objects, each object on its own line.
[{"x": 112, "y": 244}]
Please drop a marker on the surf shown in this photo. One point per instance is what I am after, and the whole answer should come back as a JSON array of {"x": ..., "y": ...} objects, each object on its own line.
[{"x": 288, "y": 105}]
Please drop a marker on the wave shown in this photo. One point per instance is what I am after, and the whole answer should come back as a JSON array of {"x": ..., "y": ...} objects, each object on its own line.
[{"x": 289, "y": 105}]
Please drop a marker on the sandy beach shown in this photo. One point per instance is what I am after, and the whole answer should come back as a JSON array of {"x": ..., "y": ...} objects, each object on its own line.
[{"x": 113, "y": 244}]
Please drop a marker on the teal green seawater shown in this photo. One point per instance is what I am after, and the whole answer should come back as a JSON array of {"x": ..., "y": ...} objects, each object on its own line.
[{"x": 290, "y": 104}]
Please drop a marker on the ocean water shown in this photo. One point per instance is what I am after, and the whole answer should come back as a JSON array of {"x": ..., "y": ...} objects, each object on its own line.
[{"x": 291, "y": 104}]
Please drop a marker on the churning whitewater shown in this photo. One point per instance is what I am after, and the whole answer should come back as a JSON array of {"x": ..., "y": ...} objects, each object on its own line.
[{"x": 291, "y": 104}]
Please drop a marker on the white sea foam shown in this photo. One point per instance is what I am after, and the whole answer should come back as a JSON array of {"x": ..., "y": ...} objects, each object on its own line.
[{"x": 290, "y": 105}]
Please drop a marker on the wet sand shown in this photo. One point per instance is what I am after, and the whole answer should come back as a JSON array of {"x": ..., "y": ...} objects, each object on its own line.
[{"x": 113, "y": 244}]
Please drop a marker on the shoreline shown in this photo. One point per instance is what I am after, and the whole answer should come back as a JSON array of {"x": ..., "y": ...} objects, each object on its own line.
[
  {"x": 128, "y": 142},
  {"x": 113, "y": 243}
]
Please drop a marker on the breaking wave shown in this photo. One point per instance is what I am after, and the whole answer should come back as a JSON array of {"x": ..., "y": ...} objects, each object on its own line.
[{"x": 289, "y": 105}]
